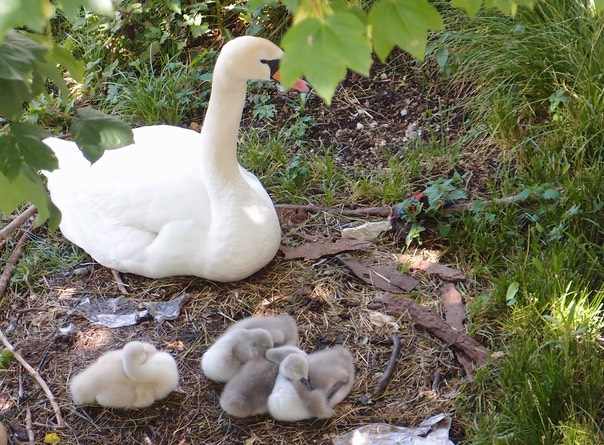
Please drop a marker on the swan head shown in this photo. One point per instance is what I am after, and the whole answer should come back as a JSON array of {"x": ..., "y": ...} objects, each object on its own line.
[
  {"x": 137, "y": 352},
  {"x": 295, "y": 368},
  {"x": 252, "y": 58}
]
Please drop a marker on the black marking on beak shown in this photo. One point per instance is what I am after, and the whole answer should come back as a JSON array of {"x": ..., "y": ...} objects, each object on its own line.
[
  {"x": 274, "y": 67},
  {"x": 306, "y": 384}
]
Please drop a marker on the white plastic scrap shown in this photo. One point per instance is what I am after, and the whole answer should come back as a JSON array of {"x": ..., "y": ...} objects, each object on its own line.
[
  {"x": 368, "y": 231},
  {"x": 432, "y": 431}
]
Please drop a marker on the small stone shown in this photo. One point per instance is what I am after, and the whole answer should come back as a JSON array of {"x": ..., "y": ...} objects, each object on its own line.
[
  {"x": 383, "y": 76},
  {"x": 360, "y": 126},
  {"x": 404, "y": 112}
]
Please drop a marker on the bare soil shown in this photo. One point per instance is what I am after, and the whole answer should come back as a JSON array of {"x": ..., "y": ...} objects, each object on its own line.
[{"x": 370, "y": 119}]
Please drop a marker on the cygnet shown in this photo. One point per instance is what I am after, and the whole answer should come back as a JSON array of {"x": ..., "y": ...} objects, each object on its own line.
[
  {"x": 246, "y": 394},
  {"x": 132, "y": 377},
  {"x": 232, "y": 350},
  {"x": 282, "y": 327},
  {"x": 293, "y": 397}
]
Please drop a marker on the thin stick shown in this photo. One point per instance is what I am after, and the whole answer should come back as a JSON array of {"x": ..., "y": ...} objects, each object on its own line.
[
  {"x": 386, "y": 211},
  {"x": 20, "y": 219},
  {"x": 12, "y": 261},
  {"x": 118, "y": 280},
  {"x": 30, "y": 432},
  {"x": 383, "y": 383},
  {"x": 39, "y": 379},
  {"x": 367, "y": 211}
]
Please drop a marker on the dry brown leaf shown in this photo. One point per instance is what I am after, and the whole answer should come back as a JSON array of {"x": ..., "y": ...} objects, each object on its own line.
[
  {"x": 319, "y": 249},
  {"x": 440, "y": 270},
  {"x": 398, "y": 305},
  {"x": 385, "y": 277}
]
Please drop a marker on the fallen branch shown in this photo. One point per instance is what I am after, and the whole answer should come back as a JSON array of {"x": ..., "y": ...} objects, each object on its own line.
[
  {"x": 11, "y": 263},
  {"x": 366, "y": 211},
  {"x": 427, "y": 319},
  {"x": 18, "y": 221},
  {"x": 39, "y": 379},
  {"x": 383, "y": 383},
  {"x": 388, "y": 211}
]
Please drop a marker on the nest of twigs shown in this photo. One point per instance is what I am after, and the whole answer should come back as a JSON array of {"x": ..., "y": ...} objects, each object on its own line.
[{"x": 329, "y": 304}]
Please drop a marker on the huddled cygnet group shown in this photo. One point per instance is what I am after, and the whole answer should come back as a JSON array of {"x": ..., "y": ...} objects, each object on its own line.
[{"x": 257, "y": 358}]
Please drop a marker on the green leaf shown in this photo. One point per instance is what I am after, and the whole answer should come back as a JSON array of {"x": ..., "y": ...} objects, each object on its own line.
[
  {"x": 59, "y": 55},
  {"x": 524, "y": 194},
  {"x": 510, "y": 295},
  {"x": 95, "y": 132},
  {"x": 21, "y": 144},
  {"x": 71, "y": 8},
  {"x": 34, "y": 14},
  {"x": 471, "y": 6},
  {"x": 599, "y": 5},
  {"x": 27, "y": 187},
  {"x": 323, "y": 50},
  {"x": 551, "y": 194},
  {"x": 404, "y": 23},
  {"x": 13, "y": 94}
]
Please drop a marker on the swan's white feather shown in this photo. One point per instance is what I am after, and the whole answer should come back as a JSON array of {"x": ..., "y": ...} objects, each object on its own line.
[{"x": 175, "y": 202}]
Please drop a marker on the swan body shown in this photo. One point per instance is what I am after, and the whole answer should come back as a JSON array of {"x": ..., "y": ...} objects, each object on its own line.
[
  {"x": 232, "y": 350},
  {"x": 246, "y": 394},
  {"x": 176, "y": 202},
  {"x": 282, "y": 328},
  {"x": 311, "y": 385},
  {"x": 133, "y": 377}
]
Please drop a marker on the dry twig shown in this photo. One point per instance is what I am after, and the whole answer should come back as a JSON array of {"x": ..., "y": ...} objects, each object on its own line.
[
  {"x": 28, "y": 425},
  {"x": 12, "y": 261},
  {"x": 383, "y": 383},
  {"x": 39, "y": 379},
  {"x": 18, "y": 221}
]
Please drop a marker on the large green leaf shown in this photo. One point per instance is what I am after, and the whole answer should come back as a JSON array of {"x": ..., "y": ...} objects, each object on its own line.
[
  {"x": 34, "y": 14},
  {"x": 71, "y": 8},
  {"x": 27, "y": 186},
  {"x": 13, "y": 94},
  {"x": 599, "y": 5},
  {"x": 95, "y": 132},
  {"x": 322, "y": 50},
  {"x": 404, "y": 23},
  {"x": 471, "y": 6},
  {"x": 22, "y": 143}
]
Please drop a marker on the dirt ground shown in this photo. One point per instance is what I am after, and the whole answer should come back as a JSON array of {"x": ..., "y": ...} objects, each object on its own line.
[{"x": 328, "y": 302}]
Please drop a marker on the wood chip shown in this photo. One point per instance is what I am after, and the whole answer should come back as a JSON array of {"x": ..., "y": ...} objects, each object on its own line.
[
  {"x": 455, "y": 316},
  {"x": 322, "y": 248},
  {"x": 384, "y": 277}
]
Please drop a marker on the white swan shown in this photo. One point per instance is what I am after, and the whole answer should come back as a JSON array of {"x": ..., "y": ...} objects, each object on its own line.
[
  {"x": 282, "y": 327},
  {"x": 232, "y": 350},
  {"x": 177, "y": 202},
  {"x": 246, "y": 394},
  {"x": 132, "y": 377}
]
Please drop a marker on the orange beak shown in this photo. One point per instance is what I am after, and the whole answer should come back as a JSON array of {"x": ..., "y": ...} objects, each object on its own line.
[{"x": 299, "y": 85}]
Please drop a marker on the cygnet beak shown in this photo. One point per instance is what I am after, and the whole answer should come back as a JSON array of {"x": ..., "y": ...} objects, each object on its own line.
[{"x": 306, "y": 384}]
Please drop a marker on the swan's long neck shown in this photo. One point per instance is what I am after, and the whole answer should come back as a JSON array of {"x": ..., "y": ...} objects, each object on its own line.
[{"x": 221, "y": 127}]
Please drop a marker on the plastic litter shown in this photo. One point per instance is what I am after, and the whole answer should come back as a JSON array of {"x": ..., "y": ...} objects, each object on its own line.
[
  {"x": 368, "y": 231},
  {"x": 121, "y": 311},
  {"x": 432, "y": 431}
]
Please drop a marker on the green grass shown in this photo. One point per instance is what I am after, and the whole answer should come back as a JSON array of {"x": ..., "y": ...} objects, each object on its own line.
[
  {"x": 167, "y": 91},
  {"x": 538, "y": 93}
]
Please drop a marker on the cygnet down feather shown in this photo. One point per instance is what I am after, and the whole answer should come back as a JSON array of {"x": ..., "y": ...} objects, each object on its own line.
[
  {"x": 282, "y": 328},
  {"x": 232, "y": 350},
  {"x": 132, "y": 377},
  {"x": 246, "y": 394}
]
